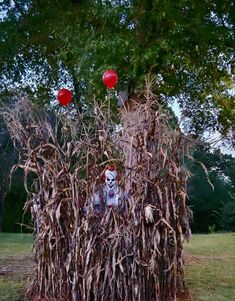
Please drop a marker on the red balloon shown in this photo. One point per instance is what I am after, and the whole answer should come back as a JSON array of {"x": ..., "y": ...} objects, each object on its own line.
[
  {"x": 64, "y": 96},
  {"x": 110, "y": 78}
]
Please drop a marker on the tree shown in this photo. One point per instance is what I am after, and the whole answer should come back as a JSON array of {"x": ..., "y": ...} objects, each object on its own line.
[
  {"x": 227, "y": 216},
  {"x": 187, "y": 45},
  {"x": 211, "y": 195},
  {"x": 14, "y": 219},
  {"x": 8, "y": 157}
]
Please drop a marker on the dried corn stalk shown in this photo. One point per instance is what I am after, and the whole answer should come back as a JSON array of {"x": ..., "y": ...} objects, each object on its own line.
[{"x": 133, "y": 255}]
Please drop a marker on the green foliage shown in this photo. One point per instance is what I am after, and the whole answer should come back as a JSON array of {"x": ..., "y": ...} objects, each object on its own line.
[
  {"x": 188, "y": 45},
  {"x": 227, "y": 215},
  {"x": 8, "y": 157},
  {"x": 13, "y": 214},
  {"x": 209, "y": 205},
  {"x": 212, "y": 229}
]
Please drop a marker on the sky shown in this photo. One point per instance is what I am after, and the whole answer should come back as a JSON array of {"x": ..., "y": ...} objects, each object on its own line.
[{"x": 209, "y": 137}]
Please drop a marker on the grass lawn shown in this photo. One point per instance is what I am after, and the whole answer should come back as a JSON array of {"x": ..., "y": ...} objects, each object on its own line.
[
  {"x": 15, "y": 265},
  {"x": 210, "y": 266}
]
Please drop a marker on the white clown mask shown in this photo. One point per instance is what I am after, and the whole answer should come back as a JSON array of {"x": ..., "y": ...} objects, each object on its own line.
[{"x": 110, "y": 179}]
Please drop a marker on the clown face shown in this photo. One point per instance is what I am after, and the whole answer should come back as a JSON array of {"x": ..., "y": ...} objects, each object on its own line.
[{"x": 110, "y": 179}]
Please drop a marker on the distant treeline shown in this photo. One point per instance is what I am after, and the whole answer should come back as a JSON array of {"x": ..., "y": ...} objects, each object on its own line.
[{"x": 211, "y": 190}]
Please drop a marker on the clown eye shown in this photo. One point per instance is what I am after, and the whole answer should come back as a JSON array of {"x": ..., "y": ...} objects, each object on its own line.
[{"x": 112, "y": 180}]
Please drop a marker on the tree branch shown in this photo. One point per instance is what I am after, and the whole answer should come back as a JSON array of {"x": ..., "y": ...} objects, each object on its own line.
[{"x": 19, "y": 9}]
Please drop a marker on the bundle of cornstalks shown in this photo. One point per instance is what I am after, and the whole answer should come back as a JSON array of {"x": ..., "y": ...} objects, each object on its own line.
[{"x": 130, "y": 254}]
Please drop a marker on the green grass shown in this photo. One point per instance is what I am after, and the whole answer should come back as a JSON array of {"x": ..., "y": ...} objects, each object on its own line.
[
  {"x": 210, "y": 269},
  {"x": 15, "y": 264},
  {"x": 12, "y": 245},
  {"x": 210, "y": 266}
]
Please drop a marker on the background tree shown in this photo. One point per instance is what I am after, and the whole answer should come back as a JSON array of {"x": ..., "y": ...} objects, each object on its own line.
[
  {"x": 227, "y": 215},
  {"x": 14, "y": 219},
  {"x": 212, "y": 205},
  {"x": 8, "y": 157},
  {"x": 188, "y": 46}
]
